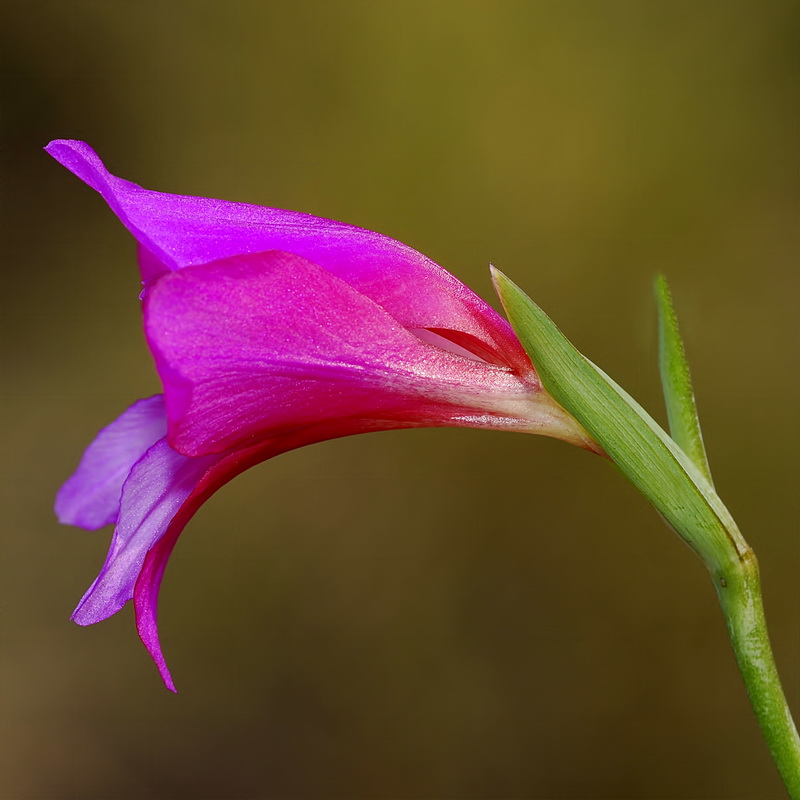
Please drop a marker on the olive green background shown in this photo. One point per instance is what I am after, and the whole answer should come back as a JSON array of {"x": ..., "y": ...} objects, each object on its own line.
[{"x": 424, "y": 614}]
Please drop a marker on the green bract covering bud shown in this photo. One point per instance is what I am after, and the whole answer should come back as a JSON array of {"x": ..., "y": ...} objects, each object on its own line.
[{"x": 641, "y": 449}]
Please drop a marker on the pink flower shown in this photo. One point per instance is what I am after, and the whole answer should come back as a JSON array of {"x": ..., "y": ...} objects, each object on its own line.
[{"x": 272, "y": 330}]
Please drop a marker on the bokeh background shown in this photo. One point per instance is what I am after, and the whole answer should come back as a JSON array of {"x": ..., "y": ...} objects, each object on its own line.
[{"x": 443, "y": 613}]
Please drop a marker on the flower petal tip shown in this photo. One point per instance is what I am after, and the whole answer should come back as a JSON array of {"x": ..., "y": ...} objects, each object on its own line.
[
  {"x": 167, "y": 678},
  {"x": 79, "y": 159},
  {"x": 71, "y": 509},
  {"x": 148, "y": 633}
]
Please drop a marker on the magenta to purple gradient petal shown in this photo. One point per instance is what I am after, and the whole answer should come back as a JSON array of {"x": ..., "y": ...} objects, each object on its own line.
[
  {"x": 272, "y": 330},
  {"x": 297, "y": 346}
]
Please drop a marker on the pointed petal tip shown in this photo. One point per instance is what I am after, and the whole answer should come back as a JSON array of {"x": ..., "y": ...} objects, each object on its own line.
[
  {"x": 61, "y": 149},
  {"x": 62, "y": 513},
  {"x": 80, "y": 617},
  {"x": 54, "y": 144},
  {"x": 93, "y": 607},
  {"x": 148, "y": 633},
  {"x": 80, "y": 159},
  {"x": 167, "y": 678},
  {"x": 145, "y": 603}
]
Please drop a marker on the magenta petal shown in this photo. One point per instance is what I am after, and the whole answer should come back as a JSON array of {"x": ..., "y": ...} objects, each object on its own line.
[
  {"x": 91, "y": 497},
  {"x": 272, "y": 330},
  {"x": 156, "y": 488},
  {"x": 177, "y": 231},
  {"x": 148, "y": 582},
  {"x": 145, "y": 599},
  {"x": 254, "y": 345}
]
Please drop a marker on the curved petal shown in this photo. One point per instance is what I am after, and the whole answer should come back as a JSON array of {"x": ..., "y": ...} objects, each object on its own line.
[
  {"x": 91, "y": 496},
  {"x": 253, "y": 345},
  {"x": 152, "y": 571},
  {"x": 177, "y": 231},
  {"x": 156, "y": 488}
]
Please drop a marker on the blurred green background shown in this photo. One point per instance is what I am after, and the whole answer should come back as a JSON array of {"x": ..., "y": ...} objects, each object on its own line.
[{"x": 443, "y": 613}]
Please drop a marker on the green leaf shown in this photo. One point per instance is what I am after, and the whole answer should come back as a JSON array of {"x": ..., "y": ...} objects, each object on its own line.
[
  {"x": 684, "y": 424},
  {"x": 630, "y": 437}
]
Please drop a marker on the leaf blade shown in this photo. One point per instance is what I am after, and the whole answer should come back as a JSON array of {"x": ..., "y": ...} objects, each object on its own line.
[{"x": 676, "y": 382}]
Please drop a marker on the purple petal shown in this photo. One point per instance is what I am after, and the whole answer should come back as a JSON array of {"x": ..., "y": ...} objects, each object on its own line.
[
  {"x": 254, "y": 345},
  {"x": 177, "y": 231},
  {"x": 156, "y": 488},
  {"x": 91, "y": 497}
]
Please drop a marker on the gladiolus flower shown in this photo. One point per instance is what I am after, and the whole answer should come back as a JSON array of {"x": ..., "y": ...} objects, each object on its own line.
[{"x": 272, "y": 330}]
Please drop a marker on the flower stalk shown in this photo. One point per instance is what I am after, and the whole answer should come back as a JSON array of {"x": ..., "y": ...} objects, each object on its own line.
[
  {"x": 739, "y": 592},
  {"x": 739, "y": 587},
  {"x": 678, "y": 484}
]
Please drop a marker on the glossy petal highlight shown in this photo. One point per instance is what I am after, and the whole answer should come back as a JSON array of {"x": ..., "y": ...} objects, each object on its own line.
[{"x": 257, "y": 344}]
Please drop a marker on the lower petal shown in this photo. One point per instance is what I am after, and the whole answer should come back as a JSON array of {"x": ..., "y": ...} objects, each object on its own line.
[
  {"x": 147, "y": 587},
  {"x": 152, "y": 494},
  {"x": 91, "y": 496}
]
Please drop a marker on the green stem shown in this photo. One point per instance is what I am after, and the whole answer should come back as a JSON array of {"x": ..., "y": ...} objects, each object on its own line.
[{"x": 739, "y": 591}]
